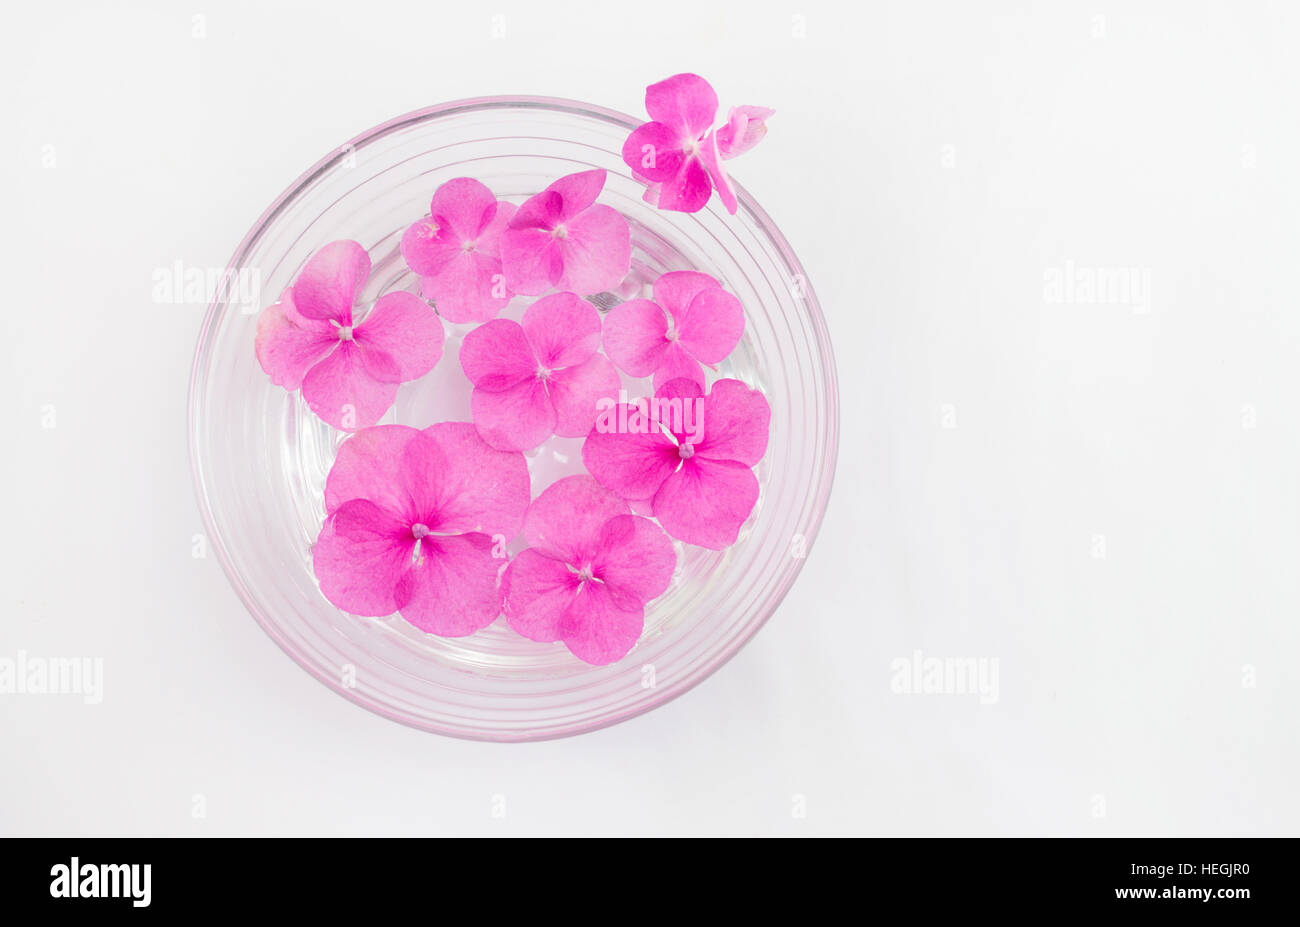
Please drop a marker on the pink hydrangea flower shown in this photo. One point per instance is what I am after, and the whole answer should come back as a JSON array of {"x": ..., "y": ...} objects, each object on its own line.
[
  {"x": 349, "y": 370},
  {"x": 538, "y": 377},
  {"x": 678, "y": 155},
  {"x": 692, "y": 321},
  {"x": 690, "y": 465},
  {"x": 457, "y": 251},
  {"x": 417, "y": 523},
  {"x": 562, "y": 239},
  {"x": 590, "y": 568}
]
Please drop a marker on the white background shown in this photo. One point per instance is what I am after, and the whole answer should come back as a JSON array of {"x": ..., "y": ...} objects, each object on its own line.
[{"x": 1099, "y": 494}]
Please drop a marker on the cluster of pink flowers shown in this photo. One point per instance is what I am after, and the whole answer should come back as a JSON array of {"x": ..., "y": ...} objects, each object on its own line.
[{"x": 422, "y": 523}]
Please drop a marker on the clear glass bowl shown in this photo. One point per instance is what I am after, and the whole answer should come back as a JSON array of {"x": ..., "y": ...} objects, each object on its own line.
[{"x": 260, "y": 457}]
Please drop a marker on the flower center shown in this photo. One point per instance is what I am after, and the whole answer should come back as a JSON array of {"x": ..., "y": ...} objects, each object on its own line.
[
  {"x": 692, "y": 148},
  {"x": 671, "y": 334},
  {"x": 685, "y": 451},
  {"x": 585, "y": 573},
  {"x": 345, "y": 333},
  {"x": 419, "y": 530},
  {"x": 543, "y": 372},
  {"x": 560, "y": 232},
  {"x": 469, "y": 246}
]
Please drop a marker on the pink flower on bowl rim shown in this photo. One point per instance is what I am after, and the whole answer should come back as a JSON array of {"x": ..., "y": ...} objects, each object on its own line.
[
  {"x": 562, "y": 239},
  {"x": 745, "y": 128},
  {"x": 589, "y": 570},
  {"x": 693, "y": 469},
  {"x": 540, "y": 376},
  {"x": 678, "y": 155},
  {"x": 691, "y": 322},
  {"x": 349, "y": 370},
  {"x": 417, "y": 523},
  {"x": 457, "y": 251}
]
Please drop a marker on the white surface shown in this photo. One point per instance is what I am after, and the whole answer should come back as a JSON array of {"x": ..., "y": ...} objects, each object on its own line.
[{"x": 932, "y": 164}]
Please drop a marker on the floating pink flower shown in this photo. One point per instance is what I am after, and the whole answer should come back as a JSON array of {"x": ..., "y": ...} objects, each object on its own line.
[
  {"x": 349, "y": 371},
  {"x": 457, "y": 251},
  {"x": 678, "y": 155},
  {"x": 539, "y": 377},
  {"x": 417, "y": 523},
  {"x": 690, "y": 461},
  {"x": 562, "y": 239},
  {"x": 590, "y": 568},
  {"x": 692, "y": 321}
]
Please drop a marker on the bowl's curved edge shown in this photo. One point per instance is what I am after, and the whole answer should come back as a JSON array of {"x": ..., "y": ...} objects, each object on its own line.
[{"x": 666, "y": 695}]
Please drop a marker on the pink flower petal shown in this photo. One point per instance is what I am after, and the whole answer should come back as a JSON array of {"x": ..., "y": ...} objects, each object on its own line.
[
  {"x": 561, "y": 201},
  {"x": 530, "y": 260},
  {"x": 675, "y": 291},
  {"x": 402, "y": 326},
  {"x": 687, "y": 190},
  {"x": 536, "y": 591},
  {"x": 635, "y": 336},
  {"x": 497, "y": 356},
  {"x": 577, "y": 192},
  {"x": 394, "y": 466},
  {"x": 451, "y": 590},
  {"x": 464, "y": 207},
  {"x": 690, "y": 392},
  {"x": 736, "y": 420},
  {"x": 711, "y": 327},
  {"x": 489, "y": 239},
  {"x": 360, "y": 557},
  {"x": 515, "y": 419},
  {"x": 632, "y": 464},
  {"x": 654, "y": 152},
  {"x": 683, "y": 101},
  {"x": 636, "y": 559},
  {"x": 677, "y": 363},
  {"x": 427, "y": 249},
  {"x": 288, "y": 344},
  {"x": 379, "y": 365},
  {"x": 598, "y": 628},
  {"x": 566, "y": 519},
  {"x": 576, "y": 392},
  {"x": 369, "y": 466},
  {"x": 471, "y": 287},
  {"x": 597, "y": 251},
  {"x": 563, "y": 330},
  {"x": 478, "y": 487},
  {"x": 421, "y": 469},
  {"x": 680, "y": 389},
  {"x": 343, "y": 394},
  {"x": 745, "y": 128},
  {"x": 543, "y": 210},
  {"x": 331, "y": 280},
  {"x": 706, "y": 501},
  {"x": 712, "y": 161}
]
